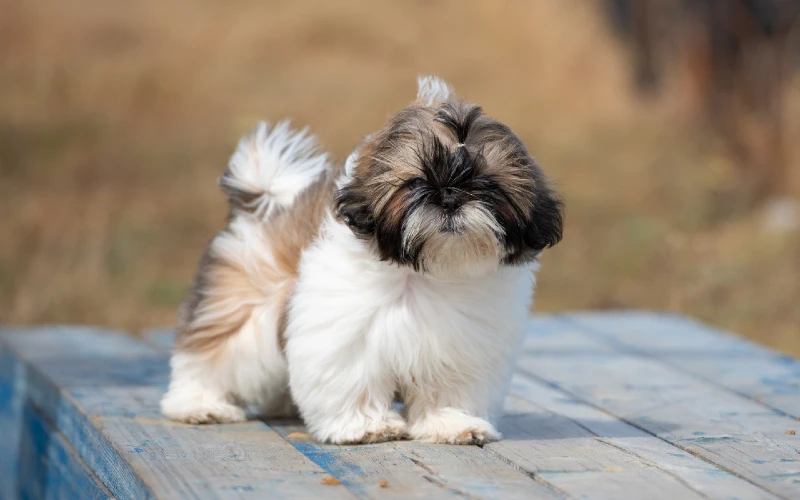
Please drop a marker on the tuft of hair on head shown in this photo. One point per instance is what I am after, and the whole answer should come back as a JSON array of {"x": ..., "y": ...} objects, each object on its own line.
[
  {"x": 270, "y": 168},
  {"x": 459, "y": 119},
  {"x": 432, "y": 90}
]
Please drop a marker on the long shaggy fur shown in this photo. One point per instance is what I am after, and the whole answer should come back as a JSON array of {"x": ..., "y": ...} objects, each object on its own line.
[
  {"x": 270, "y": 167},
  {"x": 227, "y": 359},
  {"x": 409, "y": 272}
]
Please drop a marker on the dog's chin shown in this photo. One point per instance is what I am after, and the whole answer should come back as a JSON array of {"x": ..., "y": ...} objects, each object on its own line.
[
  {"x": 462, "y": 246},
  {"x": 449, "y": 256}
]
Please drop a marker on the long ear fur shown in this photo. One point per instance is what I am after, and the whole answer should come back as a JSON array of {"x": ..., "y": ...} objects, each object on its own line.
[
  {"x": 354, "y": 210},
  {"x": 351, "y": 206},
  {"x": 545, "y": 228}
]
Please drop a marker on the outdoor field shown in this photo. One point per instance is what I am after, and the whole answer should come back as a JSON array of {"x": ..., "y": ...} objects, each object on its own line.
[{"x": 117, "y": 119}]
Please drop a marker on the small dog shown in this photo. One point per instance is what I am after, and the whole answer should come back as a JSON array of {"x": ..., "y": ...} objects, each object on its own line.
[{"x": 407, "y": 274}]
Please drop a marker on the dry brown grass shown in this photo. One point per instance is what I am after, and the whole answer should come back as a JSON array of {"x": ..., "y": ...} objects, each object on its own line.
[{"x": 115, "y": 121}]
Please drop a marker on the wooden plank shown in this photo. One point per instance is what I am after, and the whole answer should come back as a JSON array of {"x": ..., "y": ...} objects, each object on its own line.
[
  {"x": 161, "y": 338},
  {"x": 663, "y": 332},
  {"x": 37, "y": 461},
  {"x": 641, "y": 453},
  {"x": 475, "y": 471},
  {"x": 600, "y": 445},
  {"x": 13, "y": 396},
  {"x": 549, "y": 335},
  {"x": 362, "y": 468},
  {"x": 106, "y": 404},
  {"x": 738, "y": 365},
  {"x": 49, "y": 467},
  {"x": 409, "y": 469},
  {"x": 724, "y": 428},
  {"x": 605, "y": 457},
  {"x": 11, "y": 400},
  {"x": 772, "y": 381},
  {"x": 565, "y": 454},
  {"x": 416, "y": 470}
]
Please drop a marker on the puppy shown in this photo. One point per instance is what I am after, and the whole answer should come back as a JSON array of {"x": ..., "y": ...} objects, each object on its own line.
[{"x": 407, "y": 273}]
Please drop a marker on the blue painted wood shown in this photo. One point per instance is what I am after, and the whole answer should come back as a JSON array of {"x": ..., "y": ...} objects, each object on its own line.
[
  {"x": 49, "y": 467},
  {"x": 40, "y": 391},
  {"x": 408, "y": 475},
  {"x": 596, "y": 453},
  {"x": 160, "y": 338},
  {"x": 725, "y": 428},
  {"x": 602, "y": 406},
  {"x": 409, "y": 469},
  {"x": 738, "y": 365},
  {"x": 773, "y": 381},
  {"x": 125, "y": 401},
  {"x": 663, "y": 333},
  {"x": 104, "y": 399},
  {"x": 37, "y": 461},
  {"x": 586, "y": 451},
  {"x": 11, "y": 392},
  {"x": 632, "y": 457}
]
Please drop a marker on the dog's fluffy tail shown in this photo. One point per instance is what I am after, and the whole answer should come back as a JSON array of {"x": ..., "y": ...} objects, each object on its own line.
[{"x": 271, "y": 166}]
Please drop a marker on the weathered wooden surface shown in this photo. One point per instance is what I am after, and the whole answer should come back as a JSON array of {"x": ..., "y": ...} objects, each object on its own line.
[
  {"x": 415, "y": 469},
  {"x": 706, "y": 419},
  {"x": 622, "y": 405},
  {"x": 727, "y": 361},
  {"x": 102, "y": 390}
]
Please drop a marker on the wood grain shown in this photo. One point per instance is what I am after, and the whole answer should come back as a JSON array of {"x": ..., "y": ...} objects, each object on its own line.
[
  {"x": 49, "y": 467},
  {"x": 12, "y": 390},
  {"x": 734, "y": 363},
  {"x": 720, "y": 426},
  {"x": 105, "y": 402},
  {"x": 602, "y": 406},
  {"x": 410, "y": 470}
]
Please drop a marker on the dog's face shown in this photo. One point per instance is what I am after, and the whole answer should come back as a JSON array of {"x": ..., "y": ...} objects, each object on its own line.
[{"x": 447, "y": 190}]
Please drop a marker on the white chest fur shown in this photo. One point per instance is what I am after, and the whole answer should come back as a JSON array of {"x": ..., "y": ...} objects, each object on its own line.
[{"x": 359, "y": 329}]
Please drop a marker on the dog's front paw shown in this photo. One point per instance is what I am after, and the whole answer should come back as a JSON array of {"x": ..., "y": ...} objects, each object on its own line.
[
  {"x": 389, "y": 428},
  {"x": 452, "y": 426},
  {"x": 201, "y": 409},
  {"x": 479, "y": 434},
  {"x": 388, "y": 431}
]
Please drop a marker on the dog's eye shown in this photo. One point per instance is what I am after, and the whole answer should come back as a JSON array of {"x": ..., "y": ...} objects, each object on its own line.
[{"x": 416, "y": 183}]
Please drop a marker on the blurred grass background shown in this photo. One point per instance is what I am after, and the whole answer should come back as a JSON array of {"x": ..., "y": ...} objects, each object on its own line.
[{"x": 117, "y": 118}]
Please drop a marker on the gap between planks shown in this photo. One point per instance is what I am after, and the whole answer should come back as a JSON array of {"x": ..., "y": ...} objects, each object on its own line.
[
  {"x": 596, "y": 441},
  {"x": 407, "y": 467},
  {"x": 693, "y": 453},
  {"x": 60, "y": 370},
  {"x": 764, "y": 460},
  {"x": 753, "y": 352},
  {"x": 690, "y": 483}
]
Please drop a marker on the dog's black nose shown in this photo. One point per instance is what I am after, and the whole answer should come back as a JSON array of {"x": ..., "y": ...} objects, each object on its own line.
[{"x": 450, "y": 201}]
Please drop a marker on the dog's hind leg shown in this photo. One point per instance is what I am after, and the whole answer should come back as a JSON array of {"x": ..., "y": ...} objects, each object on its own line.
[{"x": 227, "y": 356}]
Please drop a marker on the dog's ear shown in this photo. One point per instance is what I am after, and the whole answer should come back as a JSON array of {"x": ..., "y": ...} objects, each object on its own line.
[
  {"x": 545, "y": 226},
  {"x": 542, "y": 227},
  {"x": 353, "y": 209},
  {"x": 351, "y": 206},
  {"x": 432, "y": 90}
]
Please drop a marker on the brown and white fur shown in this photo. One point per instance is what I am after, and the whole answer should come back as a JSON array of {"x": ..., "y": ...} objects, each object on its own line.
[{"x": 408, "y": 272}]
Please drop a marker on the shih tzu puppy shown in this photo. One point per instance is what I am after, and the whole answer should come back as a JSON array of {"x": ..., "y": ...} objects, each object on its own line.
[{"x": 407, "y": 273}]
